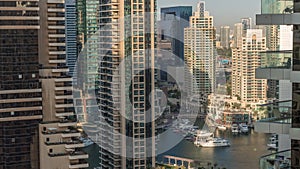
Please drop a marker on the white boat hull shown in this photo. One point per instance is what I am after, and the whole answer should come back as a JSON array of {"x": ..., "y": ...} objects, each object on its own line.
[
  {"x": 214, "y": 145},
  {"x": 213, "y": 142}
]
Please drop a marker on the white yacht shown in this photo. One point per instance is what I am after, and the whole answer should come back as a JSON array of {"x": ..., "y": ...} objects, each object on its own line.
[
  {"x": 243, "y": 128},
  {"x": 201, "y": 136},
  {"x": 222, "y": 128},
  {"x": 235, "y": 128},
  {"x": 214, "y": 142}
]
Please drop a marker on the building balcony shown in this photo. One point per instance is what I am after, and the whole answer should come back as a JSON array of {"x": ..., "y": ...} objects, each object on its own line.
[
  {"x": 78, "y": 155},
  {"x": 276, "y": 59},
  {"x": 63, "y": 105},
  {"x": 64, "y": 97},
  {"x": 273, "y": 73},
  {"x": 56, "y": 18},
  {"x": 56, "y": 10},
  {"x": 56, "y": 35},
  {"x": 278, "y": 19},
  {"x": 74, "y": 145},
  {"x": 278, "y": 120},
  {"x": 64, "y": 80},
  {"x": 273, "y": 125},
  {"x": 66, "y": 135},
  {"x": 57, "y": 154},
  {"x": 82, "y": 163},
  {"x": 60, "y": 70},
  {"x": 275, "y": 65},
  {"x": 20, "y": 8},
  {"x": 57, "y": 44},
  {"x": 63, "y": 88},
  {"x": 16, "y": 109},
  {"x": 56, "y": 1},
  {"x": 281, "y": 159},
  {"x": 67, "y": 124},
  {"x": 57, "y": 52},
  {"x": 64, "y": 114},
  {"x": 55, "y": 61}
]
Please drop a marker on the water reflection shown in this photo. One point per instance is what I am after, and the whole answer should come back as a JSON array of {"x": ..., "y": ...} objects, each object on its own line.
[{"x": 244, "y": 152}]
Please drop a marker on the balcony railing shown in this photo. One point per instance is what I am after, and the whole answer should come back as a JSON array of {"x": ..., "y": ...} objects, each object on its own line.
[
  {"x": 278, "y": 118},
  {"x": 64, "y": 142},
  {"x": 276, "y": 6},
  {"x": 281, "y": 159},
  {"x": 276, "y": 59},
  {"x": 278, "y": 112},
  {"x": 82, "y": 163}
]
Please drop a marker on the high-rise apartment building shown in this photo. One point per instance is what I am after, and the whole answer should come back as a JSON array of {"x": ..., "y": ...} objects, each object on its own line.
[
  {"x": 247, "y": 24},
  {"x": 38, "y": 126},
  {"x": 237, "y": 35},
  {"x": 126, "y": 79},
  {"x": 20, "y": 88},
  {"x": 244, "y": 62},
  {"x": 199, "y": 50},
  {"x": 272, "y": 34},
  {"x": 60, "y": 146},
  {"x": 240, "y": 31},
  {"x": 225, "y": 36}
]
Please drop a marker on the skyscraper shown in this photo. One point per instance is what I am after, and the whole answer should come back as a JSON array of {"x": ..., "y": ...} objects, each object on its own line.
[
  {"x": 244, "y": 62},
  {"x": 71, "y": 35},
  {"x": 88, "y": 60},
  {"x": 126, "y": 79},
  {"x": 20, "y": 89},
  {"x": 59, "y": 143},
  {"x": 240, "y": 31},
  {"x": 38, "y": 127},
  {"x": 172, "y": 24},
  {"x": 247, "y": 24},
  {"x": 286, "y": 65},
  {"x": 199, "y": 50},
  {"x": 237, "y": 35},
  {"x": 225, "y": 36}
]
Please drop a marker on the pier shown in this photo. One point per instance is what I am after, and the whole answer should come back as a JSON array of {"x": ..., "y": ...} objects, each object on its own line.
[{"x": 179, "y": 161}]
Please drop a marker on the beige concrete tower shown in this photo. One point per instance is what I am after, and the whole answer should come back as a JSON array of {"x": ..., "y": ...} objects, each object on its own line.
[
  {"x": 245, "y": 60},
  {"x": 199, "y": 51},
  {"x": 60, "y": 146}
]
